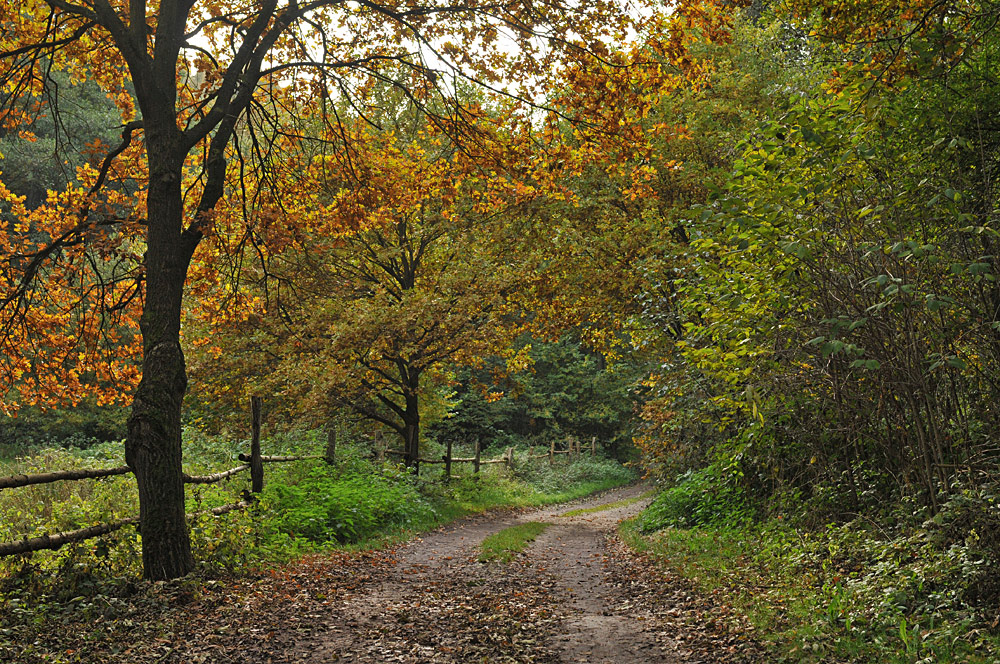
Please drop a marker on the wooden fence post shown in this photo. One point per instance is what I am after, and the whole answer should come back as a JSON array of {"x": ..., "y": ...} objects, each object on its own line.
[
  {"x": 447, "y": 462},
  {"x": 256, "y": 465},
  {"x": 475, "y": 464},
  {"x": 331, "y": 445},
  {"x": 593, "y": 446},
  {"x": 552, "y": 451}
]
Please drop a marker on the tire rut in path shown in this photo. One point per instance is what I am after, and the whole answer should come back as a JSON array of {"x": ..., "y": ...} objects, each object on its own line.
[
  {"x": 602, "y": 624},
  {"x": 554, "y": 604}
]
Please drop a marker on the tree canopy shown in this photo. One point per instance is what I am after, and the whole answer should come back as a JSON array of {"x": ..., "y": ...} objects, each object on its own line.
[{"x": 206, "y": 93}]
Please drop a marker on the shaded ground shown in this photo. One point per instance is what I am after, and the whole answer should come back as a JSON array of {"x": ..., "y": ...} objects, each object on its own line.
[{"x": 577, "y": 595}]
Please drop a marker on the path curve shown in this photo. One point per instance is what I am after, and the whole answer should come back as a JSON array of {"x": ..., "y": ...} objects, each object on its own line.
[{"x": 553, "y": 604}]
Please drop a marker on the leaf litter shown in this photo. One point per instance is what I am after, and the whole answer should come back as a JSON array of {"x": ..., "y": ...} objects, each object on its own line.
[{"x": 577, "y": 595}]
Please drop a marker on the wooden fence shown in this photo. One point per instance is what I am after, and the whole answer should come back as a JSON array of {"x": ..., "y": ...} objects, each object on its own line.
[
  {"x": 254, "y": 462},
  {"x": 573, "y": 447}
]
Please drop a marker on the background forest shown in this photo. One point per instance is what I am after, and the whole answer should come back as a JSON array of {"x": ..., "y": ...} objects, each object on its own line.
[{"x": 749, "y": 249}]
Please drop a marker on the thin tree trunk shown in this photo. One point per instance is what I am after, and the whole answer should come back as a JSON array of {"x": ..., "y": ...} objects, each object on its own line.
[
  {"x": 411, "y": 417},
  {"x": 412, "y": 442}
]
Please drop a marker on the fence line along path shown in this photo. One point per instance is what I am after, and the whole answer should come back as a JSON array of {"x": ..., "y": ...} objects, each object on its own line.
[{"x": 254, "y": 462}]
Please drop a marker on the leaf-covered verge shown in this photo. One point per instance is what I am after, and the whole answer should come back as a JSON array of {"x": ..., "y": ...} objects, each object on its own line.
[
  {"x": 923, "y": 589},
  {"x": 307, "y": 508}
]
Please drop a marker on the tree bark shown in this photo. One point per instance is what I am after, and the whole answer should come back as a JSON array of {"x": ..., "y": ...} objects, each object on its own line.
[
  {"x": 153, "y": 446},
  {"x": 412, "y": 440},
  {"x": 256, "y": 465},
  {"x": 411, "y": 416}
]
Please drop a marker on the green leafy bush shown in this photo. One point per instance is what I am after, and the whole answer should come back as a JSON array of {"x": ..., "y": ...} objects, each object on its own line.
[
  {"x": 708, "y": 496},
  {"x": 328, "y": 506}
]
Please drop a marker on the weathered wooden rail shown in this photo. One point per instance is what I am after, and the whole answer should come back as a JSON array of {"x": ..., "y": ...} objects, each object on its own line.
[
  {"x": 573, "y": 447},
  {"x": 254, "y": 462},
  {"x": 15, "y": 481},
  {"x": 56, "y": 540},
  {"x": 447, "y": 459}
]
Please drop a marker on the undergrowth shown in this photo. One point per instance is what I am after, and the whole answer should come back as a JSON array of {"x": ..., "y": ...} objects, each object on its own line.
[{"x": 912, "y": 588}]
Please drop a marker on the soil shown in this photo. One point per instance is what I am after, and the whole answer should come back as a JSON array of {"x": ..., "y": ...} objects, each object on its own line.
[{"x": 577, "y": 594}]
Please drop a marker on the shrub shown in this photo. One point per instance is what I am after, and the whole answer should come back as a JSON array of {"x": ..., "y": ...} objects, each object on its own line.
[
  {"x": 329, "y": 506},
  {"x": 708, "y": 496}
]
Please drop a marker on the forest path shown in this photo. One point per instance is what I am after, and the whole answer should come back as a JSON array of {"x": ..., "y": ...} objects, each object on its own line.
[
  {"x": 550, "y": 605},
  {"x": 576, "y": 595}
]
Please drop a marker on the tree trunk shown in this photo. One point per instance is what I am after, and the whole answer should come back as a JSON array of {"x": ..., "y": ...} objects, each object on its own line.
[
  {"x": 412, "y": 437},
  {"x": 153, "y": 446},
  {"x": 411, "y": 417}
]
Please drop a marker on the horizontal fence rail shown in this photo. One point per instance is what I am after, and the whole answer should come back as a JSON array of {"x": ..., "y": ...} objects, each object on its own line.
[
  {"x": 281, "y": 459},
  {"x": 14, "y": 481},
  {"x": 252, "y": 462},
  {"x": 215, "y": 477},
  {"x": 56, "y": 540}
]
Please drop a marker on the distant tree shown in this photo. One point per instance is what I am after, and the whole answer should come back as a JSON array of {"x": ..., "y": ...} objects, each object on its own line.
[
  {"x": 563, "y": 391},
  {"x": 367, "y": 320},
  {"x": 45, "y": 154}
]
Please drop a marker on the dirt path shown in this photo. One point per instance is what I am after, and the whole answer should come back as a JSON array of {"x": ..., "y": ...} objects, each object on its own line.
[
  {"x": 438, "y": 604},
  {"x": 576, "y": 595},
  {"x": 571, "y": 597},
  {"x": 602, "y": 624}
]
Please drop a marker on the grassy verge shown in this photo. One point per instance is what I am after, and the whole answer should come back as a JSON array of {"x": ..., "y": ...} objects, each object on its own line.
[
  {"x": 844, "y": 594},
  {"x": 608, "y": 506},
  {"x": 505, "y": 545},
  {"x": 306, "y": 507}
]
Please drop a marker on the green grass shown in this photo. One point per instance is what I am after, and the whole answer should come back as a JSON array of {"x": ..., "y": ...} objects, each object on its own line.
[
  {"x": 609, "y": 506},
  {"x": 506, "y": 544},
  {"x": 306, "y": 507},
  {"x": 839, "y": 595}
]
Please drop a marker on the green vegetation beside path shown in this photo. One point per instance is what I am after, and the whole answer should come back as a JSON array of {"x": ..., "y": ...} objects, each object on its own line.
[
  {"x": 505, "y": 545},
  {"x": 307, "y": 507},
  {"x": 841, "y": 592}
]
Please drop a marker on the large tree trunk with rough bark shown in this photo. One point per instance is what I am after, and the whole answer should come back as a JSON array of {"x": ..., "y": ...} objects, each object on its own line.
[{"x": 153, "y": 447}]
